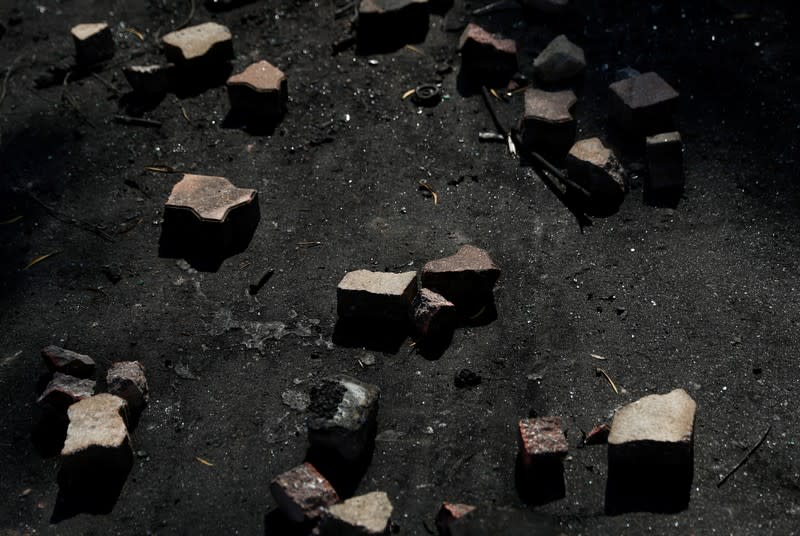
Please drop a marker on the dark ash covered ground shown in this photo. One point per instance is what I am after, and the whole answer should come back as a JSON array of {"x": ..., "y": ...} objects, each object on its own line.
[{"x": 701, "y": 297}]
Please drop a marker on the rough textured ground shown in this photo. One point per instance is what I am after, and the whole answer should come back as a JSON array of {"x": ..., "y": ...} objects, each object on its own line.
[{"x": 701, "y": 297}]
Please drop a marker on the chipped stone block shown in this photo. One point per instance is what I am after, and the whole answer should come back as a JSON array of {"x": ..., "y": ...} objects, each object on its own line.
[
  {"x": 127, "y": 380},
  {"x": 595, "y": 167},
  {"x": 65, "y": 361},
  {"x": 643, "y": 104},
  {"x": 387, "y": 23},
  {"x": 149, "y": 80},
  {"x": 205, "y": 213},
  {"x": 665, "y": 161},
  {"x": 548, "y": 122},
  {"x": 450, "y": 512},
  {"x": 202, "y": 44},
  {"x": 343, "y": 416},
  {"x": 464, "y": 278},
  {"x": 541, "y": 439},
  {"x": 65, "y": 390},
  {"x": 363, "y": 293},
  {"x": 93, "y": 43},
  {"x": 561, "y": 60},
  {"x": 97, "y": 444},
  {"x": 547, "y": 6},
  {"x": 485, "y": 55},
  {"x": 302, "y": 493},
  {"x": 260, "y": 91},
  {"x": 364, "y": 515},
  {"x": 433, "y": 314}
]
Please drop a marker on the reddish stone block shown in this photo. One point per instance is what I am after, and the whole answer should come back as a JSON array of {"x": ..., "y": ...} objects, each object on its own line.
[
  {"x": 302, "y": 493},
  {"x": 149, "y": 79},
  {"x": 197, "y": 45},
  {"x": 126, "y": 379},
  {"x": 467, "y": 277},
  {"x": 64, "y": 390},
  {"x": 486, "y": 55},
  {"x": 65, "y": 361},
  {"x": 433, "y": 314},
  {"x": 595, "y": 167},
  {"x": 450, "y": 512},
  {"x": 363, "y": 293},
  {"x": 643, "y": 104},
  {"x": 260, "y": 91},
  {"x": 548, "y": 123},
  {"x": 541, "y": 439},
  {"x": 386, "y": 24},
  {"x": 93, "y": 43}
]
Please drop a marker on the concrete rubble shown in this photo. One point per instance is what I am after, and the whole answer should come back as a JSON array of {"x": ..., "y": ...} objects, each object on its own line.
[
  {"x": 467, "y": 277},
  {"x": 448, "y": 513},
  {"x": 560, "y": 61},
  {"x": 432, "y": 314},
  {"x": 362, "y": 293},
  {"x": 93, "y": 43},
  {"x": 150, "y": 80},
  {"x": 547, "y": 123},
  {"x": 364, "y": 515},
  {"x": 199, "y": 45},
  {"x": 643, "y": 104},
  {"x": 259, "y": 92},
  {"x": 664, "y": 162},
  {"x": 65, "y": 390},
  {"x": 127, "y": 380},
  {"x": 302, "y": 493},
  {"x": 97, "y": 444},
  {"x": 65, "y": 361},
  {"x": 343, "y": 416},
  {"x": 595, "y": 167},
  {"x": 486, "y": 55}
]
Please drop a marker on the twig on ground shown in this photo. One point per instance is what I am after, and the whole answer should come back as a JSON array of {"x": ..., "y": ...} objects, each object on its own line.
[
  {"x": 746, "y": 456},
  {"x": 189, "y": 18},
  {"x": 65, "y": 218},
  {"x": 106, "y": 83},
  {"x": 140, "y": 121},
  {"x": 423, "y": 185},
  {"x": 600, "y": 371},
  {"x": 10, "y": 70}
]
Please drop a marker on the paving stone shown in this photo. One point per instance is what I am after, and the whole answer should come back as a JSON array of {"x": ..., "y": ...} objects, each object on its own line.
[
  {"x": 64, "y": 390},
  {"x": 93, "y": 43},
  {"x": 391, "y": 22},
  {"x": 363, "y": 293},
  {"x": 364, "y": 515},
  {"x": 450, "y": 512},
  {"x": 97, "y": 443},
  {"x": 541, "y": 439},
  {"x": 547, "y": 6},
  {"x": 150, "y": 80},
  {"x": 625, "y": 73},
  {"x": 595, "y": 167},
  {"x": 260, "y": 91},
  {"x": 561, "y": 60},
  {"x": 202, "y": 44},
  {"x": 464, "y": 278},
  {"x": 548, "y": 122},
  {"x": 665, "y": 161},
  {"x": 65, "y": 361},
  {"x": 302, "y": 493},
  {"x": 433, "y": 315},
  {"x": 127, "y": 380},
  {"x": 209, "y": 198},
  {"x": 343, "y": 416},
  {"x": 484, "y": 54},
  {"x": 643, "y": 104}
]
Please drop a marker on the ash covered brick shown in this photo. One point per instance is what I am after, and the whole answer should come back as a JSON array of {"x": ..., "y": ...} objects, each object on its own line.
[
  {"x": 548, "y": 122},
  {"x": 65, "y": 390},
  {"x": 363, "y": 293},
  {"x": 93, "y": 43},
  {"x": 643, "y": 104},
  {"x": 302, "y": 493},
  {"x": 561, "y": 60},
  {"x": 464, "y": 278},
  {"x": 449, "y": 513},
  {"x": 127, "y": 380},
  {"x": 200, "y": 44},
  {"x": 595, "y": 167},
  {"x": 665, "y": 161},
  {"x": 153, "y": 79},
  {"x": 65, "y": 361},
  {"x": 484, "y": 54},
  {"x": 541, "y": 439},
  {"x": 364, "y": 515},
  {"x": 259, "y": 91},
  {"x": 384, "y": 23},
  {"x": 433, "y": 314},
  {"x": 97, "y": 446},
  {"x": 343, "y": 416}
]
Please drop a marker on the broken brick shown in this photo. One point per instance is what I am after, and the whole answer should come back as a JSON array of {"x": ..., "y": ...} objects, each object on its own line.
[
  {"x": 467, "y": 277},
  {"x": 65, "y": 390},
  {"x": 65, "y": 361},
  {"x": 595, "y": 167},
  {"x": 363, "y": 293},
  {"x": 450, "y": 512},
  {"x": 665, "y": 161},
  {"x": 260, "y": 91},
  {"x": 93, "y": 43},
  {"x": 561, "y": 60},
  {"x": 391, "y": 23},
  {"x": 127, "y": 380},
  {"x": 202, "y": 44},
  {"x": 548, "y": 122},
  {"x": 643, "y": 104},
  {"x": 343, "y": 416},
  {"x": 302, "y": 493},
  {"x": 541, "y": 439},
  {"x": 149, "y": 79},
  {"x": 364, "y": 515},
  {"x": 485, "y": 55},
  {"x": 433, "y": 314}
]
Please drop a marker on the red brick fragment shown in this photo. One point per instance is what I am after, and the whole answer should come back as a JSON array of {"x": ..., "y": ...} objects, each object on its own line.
[{"x": 302, "y": 493}]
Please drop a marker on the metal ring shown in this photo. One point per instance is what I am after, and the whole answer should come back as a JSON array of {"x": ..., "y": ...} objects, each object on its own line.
[{"x": 426, "y": 95}]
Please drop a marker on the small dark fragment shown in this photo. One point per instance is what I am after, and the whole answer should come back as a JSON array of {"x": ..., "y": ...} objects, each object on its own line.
[{"x": 466, "y": 378}]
